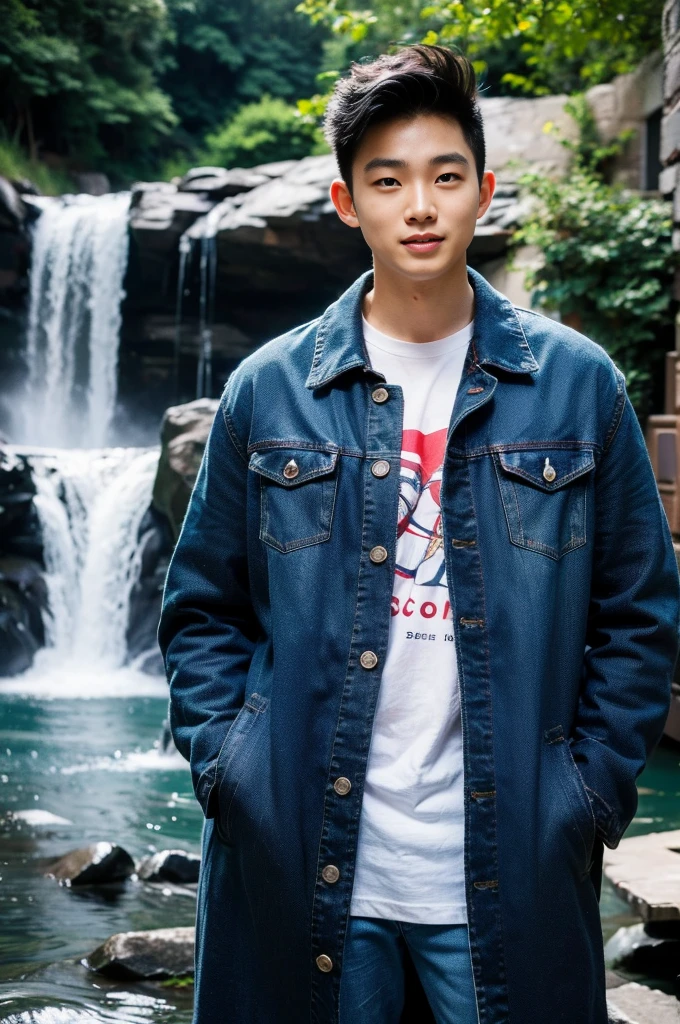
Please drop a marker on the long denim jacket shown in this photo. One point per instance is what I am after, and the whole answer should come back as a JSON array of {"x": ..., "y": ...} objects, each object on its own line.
[{"x": 565, "y": 596}]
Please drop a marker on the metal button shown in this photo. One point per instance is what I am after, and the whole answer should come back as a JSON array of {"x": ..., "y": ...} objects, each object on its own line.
[
  {"x": 549, "y": 472},
  {"x": 324, "y": 963},
  {"x": 380, "y": 468},
  {"x": 368, "y": 659},
  {"x": 330, "y": 873},
  {"x": 291, "y": 470},
  {"x": 380, "y": 395},
  {"x": 378, "y": 554},
  {"x": 342, "y": 786}
]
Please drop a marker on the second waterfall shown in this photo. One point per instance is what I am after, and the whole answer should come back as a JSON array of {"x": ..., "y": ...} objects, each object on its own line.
[{"x": 80, "y": 251}]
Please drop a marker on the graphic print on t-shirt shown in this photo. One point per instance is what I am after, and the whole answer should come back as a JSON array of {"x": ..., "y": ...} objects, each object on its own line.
[
  {"x": 420, "y": 549},
  {"x": 420, "y": 556}
]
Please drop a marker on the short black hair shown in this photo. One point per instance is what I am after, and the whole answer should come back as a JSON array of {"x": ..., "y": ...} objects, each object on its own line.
[{"x": 417, "y": 79}]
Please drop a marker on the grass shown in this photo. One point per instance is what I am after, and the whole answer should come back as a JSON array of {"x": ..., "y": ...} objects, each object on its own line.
[{"x": 14, "y": 164}]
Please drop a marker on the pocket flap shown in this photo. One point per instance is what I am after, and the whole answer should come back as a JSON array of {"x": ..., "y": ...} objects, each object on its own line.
[
  {"x": 292, "y": 466},
  {"x": 531, "y": 465}
]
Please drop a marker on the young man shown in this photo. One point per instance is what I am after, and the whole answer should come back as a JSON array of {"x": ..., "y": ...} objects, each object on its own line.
[{"x": 421, "y": 621}]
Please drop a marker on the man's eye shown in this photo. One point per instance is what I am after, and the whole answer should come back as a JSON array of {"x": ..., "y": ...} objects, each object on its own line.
[
  {"x": 387, "y": 181},
  {"x": 449, "y": 176}
]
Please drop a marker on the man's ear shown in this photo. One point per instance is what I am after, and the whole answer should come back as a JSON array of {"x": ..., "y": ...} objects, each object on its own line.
[
  {"x": 343, "y": 203},
  {"x": 486, "y": 191}
]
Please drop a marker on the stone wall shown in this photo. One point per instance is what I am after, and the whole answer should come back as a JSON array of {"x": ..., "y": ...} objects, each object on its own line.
[{"x": 669, "y": 181}]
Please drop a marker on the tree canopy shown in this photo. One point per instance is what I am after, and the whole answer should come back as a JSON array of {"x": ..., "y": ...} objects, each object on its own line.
[
  {"x": 527, "y": 46},
  {"x": 133, "y": 86}
]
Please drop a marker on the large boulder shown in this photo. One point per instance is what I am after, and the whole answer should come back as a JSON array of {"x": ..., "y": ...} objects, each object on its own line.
[
  {"x": 635, "y": 950},
  {"x": 98, "y": 864},
  {"x": 155, "y": 542},
  {"x": 12, "y": 209},
  {"x": 184, "y": 432},
  {"x": 154, "y": 955},
  {"x": 23, "y": 591},
  {"x": 176, "y": 866}
]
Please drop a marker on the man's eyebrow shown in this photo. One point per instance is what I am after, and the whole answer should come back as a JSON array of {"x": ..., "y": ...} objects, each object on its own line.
[
  {"x": 449, "y": 158},
  {"x": 391, "y": 162},
  {"x": 383, "y": 161}
]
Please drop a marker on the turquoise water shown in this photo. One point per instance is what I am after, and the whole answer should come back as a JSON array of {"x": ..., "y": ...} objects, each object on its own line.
[{"x": 96, "y": 763}]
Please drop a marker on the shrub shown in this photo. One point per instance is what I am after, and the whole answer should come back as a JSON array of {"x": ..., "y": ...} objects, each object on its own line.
[{"x": 263, "y": 132}]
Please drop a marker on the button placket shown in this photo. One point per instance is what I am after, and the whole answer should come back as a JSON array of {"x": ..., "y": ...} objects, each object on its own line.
[{"x": 380, "y": 493}]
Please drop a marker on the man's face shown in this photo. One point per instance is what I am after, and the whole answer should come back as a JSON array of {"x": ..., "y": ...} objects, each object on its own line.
[{"x": 415, "y": 195}]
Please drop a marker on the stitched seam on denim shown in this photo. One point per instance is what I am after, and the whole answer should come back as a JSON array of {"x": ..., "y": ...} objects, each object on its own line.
[
  {"x": 581, "y": 784},
  {"x": 328, "y": 798},
  {"x": 273, "y": 443},
  {"x": 490, "y": 449},
  {"x": 619, "y": 407},
  {"x": 496, "y": 462},
  {"x": 294, "y": 545},
  {"x": 231, "y": 431},
  {"x": 278, "y": 478},
  {"x": 548, "y": 488},
  {"x": 247, "y": 735},
  {"x": 499, "y": 917}
]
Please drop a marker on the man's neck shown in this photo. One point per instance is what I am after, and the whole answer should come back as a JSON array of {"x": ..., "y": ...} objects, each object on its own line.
[{"x": 420, "y": 312}]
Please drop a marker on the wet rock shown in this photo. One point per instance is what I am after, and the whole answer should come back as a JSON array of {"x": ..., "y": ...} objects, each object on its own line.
[
  {"x": 634, "y": 950},
  {"x": 218, "y": 183},
  {"x": 36, "y": 818},
  {"x": 637, "y": 1004},
  {"x": 163, "y": 953},
  {"x": 170, "y": 866},
  {"x": 23, "y": 592},
  {"x": 155, "y": 544},
  {"x": 184, "y": 432},
  {"x": 92, "y": 183},
  {"x": 98, "y": 864},
  {"x": 26, "y": 187},
  {"x": 159, "y": 214},
  {"x": 12, "y": 209}
]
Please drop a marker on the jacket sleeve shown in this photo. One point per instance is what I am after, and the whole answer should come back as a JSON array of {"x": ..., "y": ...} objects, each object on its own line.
[
  {"x": 207, "y": 629},
  {"x": 632, "y": 632}
]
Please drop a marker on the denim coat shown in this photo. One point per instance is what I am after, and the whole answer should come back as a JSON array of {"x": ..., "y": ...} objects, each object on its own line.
[{"x": 565, "y": 596}]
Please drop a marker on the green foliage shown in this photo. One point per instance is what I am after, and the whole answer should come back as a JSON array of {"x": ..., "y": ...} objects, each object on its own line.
[
  {"x": 547, "y": 45},
  {"x": 133, "y": 86},
  {"x": 588, "y": 151},
  {"x": 608, "y": 261},
  {"x": 78, "y": 78},
  {"x": 226, "y": 54},
  {"x": 263, "y": 132},
  {"x": 15, "y": 165}
]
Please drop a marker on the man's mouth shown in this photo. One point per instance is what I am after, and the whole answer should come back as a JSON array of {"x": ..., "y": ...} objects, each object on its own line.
[{"x": 422, "y": 243}]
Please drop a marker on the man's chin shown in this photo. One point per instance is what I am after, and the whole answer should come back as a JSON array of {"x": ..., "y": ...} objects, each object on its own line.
[{"x": 421, "y": 269}]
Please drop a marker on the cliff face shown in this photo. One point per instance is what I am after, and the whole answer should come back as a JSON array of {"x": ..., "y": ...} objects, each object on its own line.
[
  {"x": 273, "y": 253},
  {"x": 14, "y": 261}
]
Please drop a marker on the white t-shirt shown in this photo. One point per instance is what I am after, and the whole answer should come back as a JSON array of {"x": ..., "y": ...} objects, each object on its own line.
[{"x": 409, "y": 864}]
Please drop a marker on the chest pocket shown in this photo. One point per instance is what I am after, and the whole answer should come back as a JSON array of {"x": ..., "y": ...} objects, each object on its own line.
[
  {"x": 297, "y": 496},
  {"x": 544, "y": 497}
]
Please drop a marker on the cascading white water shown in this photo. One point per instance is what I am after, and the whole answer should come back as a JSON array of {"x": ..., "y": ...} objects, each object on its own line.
[
  {"x": 80, "y": 251},
  {"x": 90, "y": 503}
]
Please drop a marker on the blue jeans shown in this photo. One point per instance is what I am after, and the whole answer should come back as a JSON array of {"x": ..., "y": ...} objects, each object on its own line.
[{"x": 372, "y": 981}]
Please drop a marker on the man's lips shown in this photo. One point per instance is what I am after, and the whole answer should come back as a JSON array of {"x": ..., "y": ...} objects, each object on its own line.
[{"x": 422, "y": 243}]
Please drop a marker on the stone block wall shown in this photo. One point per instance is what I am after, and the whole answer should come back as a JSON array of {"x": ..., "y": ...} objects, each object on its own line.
[{"x": 669, "y": 179}]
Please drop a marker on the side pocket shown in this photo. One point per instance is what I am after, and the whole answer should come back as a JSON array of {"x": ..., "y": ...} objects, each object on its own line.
[
  {"x": 235, "y": 751},
  {"x": 575, "y": 792}
]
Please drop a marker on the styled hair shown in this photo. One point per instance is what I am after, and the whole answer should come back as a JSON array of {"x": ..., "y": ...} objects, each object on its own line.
[{"x": 417, "y": 79}]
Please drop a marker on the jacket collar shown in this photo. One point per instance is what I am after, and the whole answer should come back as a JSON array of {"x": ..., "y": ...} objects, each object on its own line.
[{"x": 498, "y": 339}]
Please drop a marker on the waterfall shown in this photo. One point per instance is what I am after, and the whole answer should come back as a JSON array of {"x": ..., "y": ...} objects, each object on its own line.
[
  {"x": 204, "y": 230},
  {"x": 90, "y": 504},
  {"x": 80, "y": 250}
]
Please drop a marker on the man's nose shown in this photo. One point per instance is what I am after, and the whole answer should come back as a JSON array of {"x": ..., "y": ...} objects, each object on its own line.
[{"x": 421, "y": 206}]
